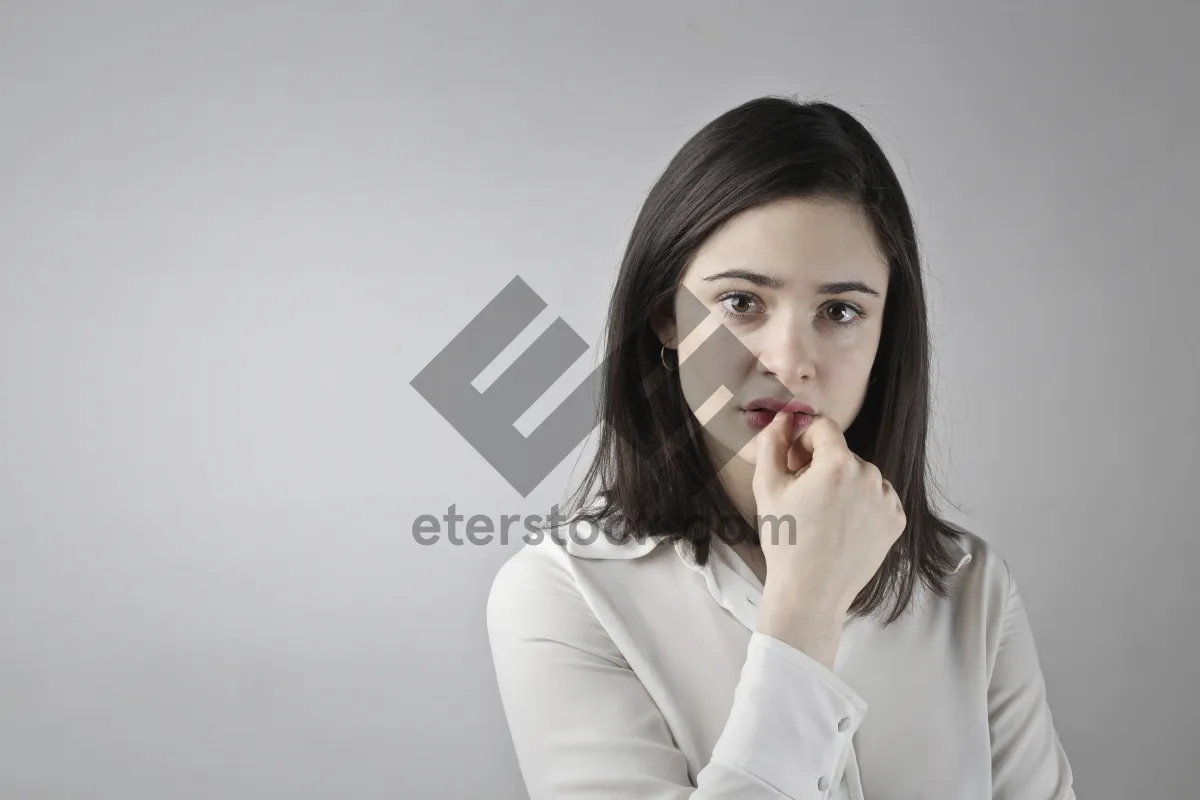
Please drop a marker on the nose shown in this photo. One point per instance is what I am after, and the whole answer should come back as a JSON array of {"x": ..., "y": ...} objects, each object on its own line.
[{"x": 784, "y": 354}]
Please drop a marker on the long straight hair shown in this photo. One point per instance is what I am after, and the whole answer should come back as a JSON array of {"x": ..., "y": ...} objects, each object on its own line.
[{"x": 766, "y": 149}]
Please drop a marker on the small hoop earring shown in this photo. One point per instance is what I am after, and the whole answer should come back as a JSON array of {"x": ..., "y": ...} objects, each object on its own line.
[{"x": 662, "y": 356}]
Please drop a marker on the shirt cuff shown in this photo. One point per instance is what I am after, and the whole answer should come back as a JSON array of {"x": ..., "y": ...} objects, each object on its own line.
[{"x": 791, "y": 720}]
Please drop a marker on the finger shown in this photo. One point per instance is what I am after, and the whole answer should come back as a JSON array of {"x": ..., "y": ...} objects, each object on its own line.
[
  {"x": 822, "y": 439},
  {"x": 891, "y": 492},
  {"x": 770, "y": 465},
  {"x": 797, "y": 457}
]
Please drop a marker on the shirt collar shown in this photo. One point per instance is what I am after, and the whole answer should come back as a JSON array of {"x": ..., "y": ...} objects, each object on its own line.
[
  {"x": 590, "y": 544},
  {"x": 726, "y": 577}
]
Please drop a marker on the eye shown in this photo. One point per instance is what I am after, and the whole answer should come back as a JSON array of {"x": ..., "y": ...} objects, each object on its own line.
[
  {"x": 734, "y": 304},
  {"x": 858, "y": 317}
]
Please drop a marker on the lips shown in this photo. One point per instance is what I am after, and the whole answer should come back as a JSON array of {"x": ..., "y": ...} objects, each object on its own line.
[
  {"x": 775, "y": 406},
  {"x": 759, "y": 413}
]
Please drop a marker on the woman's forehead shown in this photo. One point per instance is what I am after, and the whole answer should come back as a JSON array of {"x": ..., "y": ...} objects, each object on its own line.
[{"x": 799, "y": 243}]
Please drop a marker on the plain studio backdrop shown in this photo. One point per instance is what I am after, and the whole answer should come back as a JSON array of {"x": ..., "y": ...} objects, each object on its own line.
[{"x": 231, "y": 235}]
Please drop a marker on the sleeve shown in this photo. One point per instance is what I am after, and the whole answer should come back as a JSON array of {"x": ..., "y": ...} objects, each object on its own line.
[
  {"x": 584, "y": 727},
  {"x": 1028, "y": 760}
]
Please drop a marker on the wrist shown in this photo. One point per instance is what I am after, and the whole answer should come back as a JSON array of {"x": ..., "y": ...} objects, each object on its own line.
[
  {"x": 813, "y": 628},
  {"x": 800, "y": 593}
]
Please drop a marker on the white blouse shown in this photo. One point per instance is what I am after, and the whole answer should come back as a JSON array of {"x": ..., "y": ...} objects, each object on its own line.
[{"x": 627, "y": 672}]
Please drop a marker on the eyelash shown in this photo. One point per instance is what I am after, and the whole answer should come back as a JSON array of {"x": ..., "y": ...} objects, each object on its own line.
[{"x": 860, "y": 315}]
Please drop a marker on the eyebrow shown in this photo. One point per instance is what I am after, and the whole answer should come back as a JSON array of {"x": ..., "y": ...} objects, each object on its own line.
[{"x": 771, "y": 282}]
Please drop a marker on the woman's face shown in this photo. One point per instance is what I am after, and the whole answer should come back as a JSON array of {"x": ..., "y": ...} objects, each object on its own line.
[{"x": 798, "y": 287}]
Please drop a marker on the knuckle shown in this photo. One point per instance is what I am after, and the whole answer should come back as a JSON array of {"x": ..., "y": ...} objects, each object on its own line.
[
  {"x": 845, "y": 461},
  {"x": 840, "y": 470}
]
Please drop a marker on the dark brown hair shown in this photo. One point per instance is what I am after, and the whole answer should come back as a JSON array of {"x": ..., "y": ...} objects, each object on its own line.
[{"x": 766, "y": 149}]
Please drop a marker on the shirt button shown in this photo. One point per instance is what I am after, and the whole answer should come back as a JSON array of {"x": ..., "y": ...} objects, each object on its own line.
[
  {"x": 845, "y": 723},
  {"x": 823, "y": 784}
]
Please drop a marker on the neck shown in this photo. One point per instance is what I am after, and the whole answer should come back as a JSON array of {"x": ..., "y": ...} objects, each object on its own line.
[{"x": 737, "y": 479}]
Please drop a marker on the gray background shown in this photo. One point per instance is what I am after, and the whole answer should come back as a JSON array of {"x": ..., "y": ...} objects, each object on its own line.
[{"x": 230, "y": 234}]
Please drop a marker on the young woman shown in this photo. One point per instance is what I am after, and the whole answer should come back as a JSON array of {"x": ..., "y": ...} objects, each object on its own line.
[{"x": 754, "y": 597}]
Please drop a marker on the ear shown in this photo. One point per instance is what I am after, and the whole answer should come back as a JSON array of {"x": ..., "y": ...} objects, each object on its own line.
[{"x": 662, "y": 322}]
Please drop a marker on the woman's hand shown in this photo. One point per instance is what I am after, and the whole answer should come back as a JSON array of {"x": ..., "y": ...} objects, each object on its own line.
[{"x": 825, "y": 530}]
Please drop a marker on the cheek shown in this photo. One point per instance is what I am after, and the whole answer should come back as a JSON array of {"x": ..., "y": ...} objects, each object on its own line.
[
  {"x": 853, "y": 353},
  {"x": 847, "y": 368},
  {"x": 720, "y": 363},
  {"x": 846, "y": 384}
]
